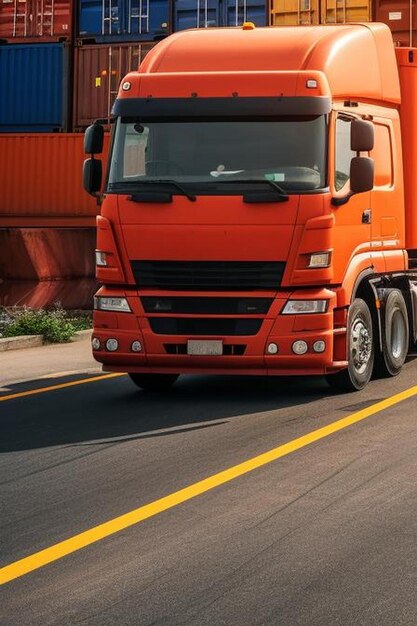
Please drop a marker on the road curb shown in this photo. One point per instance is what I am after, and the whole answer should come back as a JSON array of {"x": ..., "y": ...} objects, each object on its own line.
[
  {"x": 33, "y": 341},
  {"x": 83, "y": 333},
  {"x": 17, "y": 343}
]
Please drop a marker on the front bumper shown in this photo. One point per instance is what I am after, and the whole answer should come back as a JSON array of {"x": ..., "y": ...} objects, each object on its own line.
[{"x": 243, "y": 354}]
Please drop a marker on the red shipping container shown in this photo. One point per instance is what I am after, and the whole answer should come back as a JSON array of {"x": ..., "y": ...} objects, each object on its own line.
[
  {"x": 401, "y": 17},
  {"x": 36, "y": 20},
  {"x": 98, "y": 70},
  {"x": 41, "y": 178}
]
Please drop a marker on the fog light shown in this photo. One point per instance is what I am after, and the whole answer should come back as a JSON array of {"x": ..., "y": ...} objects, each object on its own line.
[
  {"x": 112, "y": 345},
  {"x": 136, "y": 346},
  {"x": 272, "y": 348},
  {"x": 319, "y": 346},
  {"x": 299, "y": 347},
  {"x": 95, "y": 343}
]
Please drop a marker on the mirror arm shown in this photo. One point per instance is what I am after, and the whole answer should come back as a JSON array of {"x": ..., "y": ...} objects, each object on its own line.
[{"x": 343, "y": 199}]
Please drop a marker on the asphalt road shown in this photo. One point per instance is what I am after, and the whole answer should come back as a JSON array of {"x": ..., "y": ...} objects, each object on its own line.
[{"x": 326, "y": 534}]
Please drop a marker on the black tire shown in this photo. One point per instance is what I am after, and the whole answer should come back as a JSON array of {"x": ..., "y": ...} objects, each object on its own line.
[
  {"x": 395, "y": 335},
  {"x": 153, "y": 382},
  {"x": 360, "y": 350}
]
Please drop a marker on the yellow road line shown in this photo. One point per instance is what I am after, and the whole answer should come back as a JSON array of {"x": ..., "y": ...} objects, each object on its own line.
[
  {"x": 63, "y": 548},
  {"x": 73, "y": 383}
]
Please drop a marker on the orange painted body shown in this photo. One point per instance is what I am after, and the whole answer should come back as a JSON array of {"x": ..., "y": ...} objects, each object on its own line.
[{"x": 350, "y": 63}]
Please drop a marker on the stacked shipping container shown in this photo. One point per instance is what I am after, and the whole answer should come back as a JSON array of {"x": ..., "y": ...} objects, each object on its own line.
[
  {"x": 61, "y": 62},
  {"x": 65, "y": 58},
  {"x": 70, "y": 56},
  {"x": 399, "y": 15}
]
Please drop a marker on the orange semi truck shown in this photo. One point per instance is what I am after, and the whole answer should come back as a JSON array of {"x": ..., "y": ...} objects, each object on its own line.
[{"x": 259, "y": 213}]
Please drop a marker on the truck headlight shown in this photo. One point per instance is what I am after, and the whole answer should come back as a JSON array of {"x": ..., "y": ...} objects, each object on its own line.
[
  {"x": 120, "y": 305},
  {"x": 319, "y": 259},
  {"x": 297, "y": 307}
]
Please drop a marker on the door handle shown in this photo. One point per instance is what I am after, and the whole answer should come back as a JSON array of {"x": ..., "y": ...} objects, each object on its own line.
[{"x": 367, "y": 216}]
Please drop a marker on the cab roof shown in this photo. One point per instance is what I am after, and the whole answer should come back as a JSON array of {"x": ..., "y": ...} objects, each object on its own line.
[{"x": 358, "y": 60}]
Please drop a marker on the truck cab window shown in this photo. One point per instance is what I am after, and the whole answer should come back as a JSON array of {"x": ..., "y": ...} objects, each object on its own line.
[
  {"x": 382, "y": 156},
  {"x": 219, "y": 152},
  {"x": 344, "y": 154},
  {"x": 134, "y": 156}
]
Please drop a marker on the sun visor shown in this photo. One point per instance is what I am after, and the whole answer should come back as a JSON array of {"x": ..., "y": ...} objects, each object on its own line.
[{"x": 221, "y": 107}]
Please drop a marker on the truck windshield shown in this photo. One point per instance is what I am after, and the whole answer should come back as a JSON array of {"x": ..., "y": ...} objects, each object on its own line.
[{"x": 288, "y": 151}]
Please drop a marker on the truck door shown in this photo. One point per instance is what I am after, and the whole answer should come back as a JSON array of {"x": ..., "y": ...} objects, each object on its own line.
[
  {"x": 352, "y": 224},
  {"x": 385, "y": 203}
]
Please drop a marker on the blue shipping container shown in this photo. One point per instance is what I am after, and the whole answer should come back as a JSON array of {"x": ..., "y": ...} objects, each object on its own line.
[
  {"x": 106, "y": 21},
  {"x": 34, "y": 87},
  {"x": 205, "y": 13}
]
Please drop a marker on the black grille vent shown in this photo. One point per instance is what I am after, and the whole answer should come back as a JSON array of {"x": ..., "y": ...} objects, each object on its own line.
[
  {"x": 208, "y": 306},
  {"x": 208, "y": 275},
  {"x": 204, "y": 326},
  {"x": 228, "y": 349}
]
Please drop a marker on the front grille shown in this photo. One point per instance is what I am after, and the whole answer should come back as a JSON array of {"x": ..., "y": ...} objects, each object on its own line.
[
  {"x": 228, "y": 349},
  {"x": 208, "y": 306},
  {"x": 208, "y": 275},
  {"x": 204, "y": 326}
]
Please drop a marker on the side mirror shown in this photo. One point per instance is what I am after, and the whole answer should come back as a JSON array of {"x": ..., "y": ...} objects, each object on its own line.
[
  {"x": 361, "y": 179},
  {"x": 361, "y": 136},
  {"x": 92, "y": 176},
  {"x": 93, "y": 139},
  {"x": 361, "y": 174}
]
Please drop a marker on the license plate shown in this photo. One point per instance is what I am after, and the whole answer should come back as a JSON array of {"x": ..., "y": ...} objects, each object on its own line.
[{"x": 204, "y": 348}]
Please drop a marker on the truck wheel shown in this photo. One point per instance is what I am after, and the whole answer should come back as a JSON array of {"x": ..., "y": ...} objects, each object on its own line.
[
  {"x": 361, "y": 350},
  {"x": 395, "y": 335},
  {"x": 154, "y": 382}
]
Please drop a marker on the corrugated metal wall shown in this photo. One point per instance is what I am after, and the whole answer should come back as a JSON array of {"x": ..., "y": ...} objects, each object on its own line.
[
  {"x": 41, "y": 178},
  {"x": 98, "y": 72},
  {"x": 297, "y": 12},
  {"x": 401, "y": 17},
  {"x": 47, "y": 20},
  {"x": 34, "y": 84},
  {"x": 122, "y": 20},
  {"x": 205, "y": 13}
]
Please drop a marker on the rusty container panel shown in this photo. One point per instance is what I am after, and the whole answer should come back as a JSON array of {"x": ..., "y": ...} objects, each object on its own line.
[
  {"x": 41, "y": 178},
  {"x": 75, "y": 293},
  {"x": 294, "y": 12},
  {"x": 36, "y": 20},
  {"x": 47, "y": 253},
  {"x": 98, "y": 72},
  {"x": 401, "y": 17}
]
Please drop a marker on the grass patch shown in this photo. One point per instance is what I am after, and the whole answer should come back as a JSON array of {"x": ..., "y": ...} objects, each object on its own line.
[{"x": 55, "y": 325}]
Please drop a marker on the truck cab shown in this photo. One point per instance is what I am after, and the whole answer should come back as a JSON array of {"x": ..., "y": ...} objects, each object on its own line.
[{"x": 253, "y": 217}]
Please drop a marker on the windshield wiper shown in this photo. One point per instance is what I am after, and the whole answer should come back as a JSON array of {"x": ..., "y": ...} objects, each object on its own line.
[
  {"x": 168, "y": 181},
  {"x": 136, "y": 184},
  {"x": 271, "y": 183},
  {"x": 261, "y": 196}
]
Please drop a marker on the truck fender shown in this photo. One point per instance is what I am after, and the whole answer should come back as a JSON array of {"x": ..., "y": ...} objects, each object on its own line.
[{"x": 359, "y": 269}]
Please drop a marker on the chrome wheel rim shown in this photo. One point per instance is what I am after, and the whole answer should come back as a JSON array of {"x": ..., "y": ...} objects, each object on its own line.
[{"x": 361, "y": 345}]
